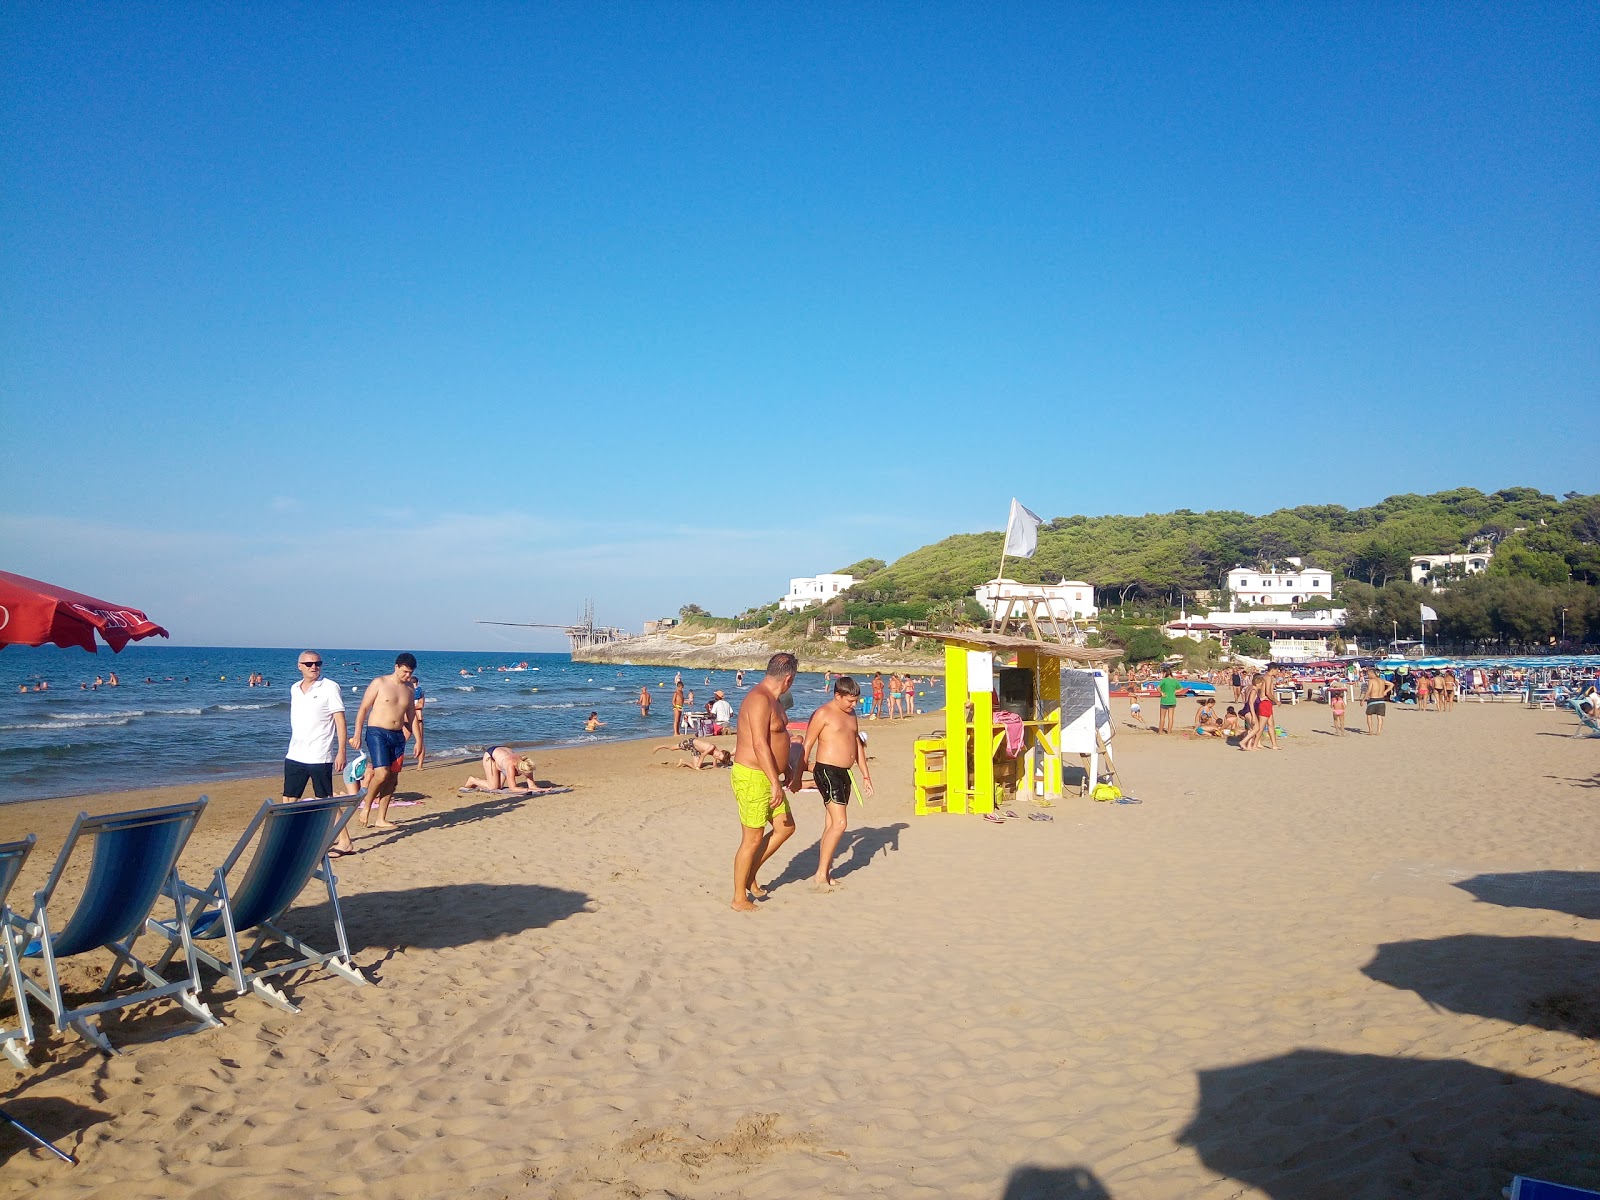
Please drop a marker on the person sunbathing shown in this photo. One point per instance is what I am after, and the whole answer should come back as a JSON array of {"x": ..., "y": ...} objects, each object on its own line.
[{"x": 503, "y": 771}]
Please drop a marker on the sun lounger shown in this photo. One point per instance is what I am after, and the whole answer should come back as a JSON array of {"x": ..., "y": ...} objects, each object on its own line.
[
  {"x": 14, "y": 1043},
  {"x": 1587, "y": 726},
  {"x": 1523, "y": 1188},
  {"x": 292, "y": 851},
  {"x": 135, "y": 858}
]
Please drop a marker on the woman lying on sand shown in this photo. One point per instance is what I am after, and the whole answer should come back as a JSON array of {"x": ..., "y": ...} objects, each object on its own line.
[
  {"x": 706, "y": 753},
  {"x": 502, "y": 767}
]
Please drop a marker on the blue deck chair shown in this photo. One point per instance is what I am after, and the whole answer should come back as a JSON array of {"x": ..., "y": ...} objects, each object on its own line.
[
  {"x": 135, "y": 858},
  {"x": 14, "y": 1043},
  {"x": 1587, "y": 726},
  {"x": 293, "y": 850}
]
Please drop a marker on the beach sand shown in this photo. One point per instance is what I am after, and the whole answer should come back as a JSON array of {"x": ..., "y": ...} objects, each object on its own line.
[{"x": 1357, "y": 967}]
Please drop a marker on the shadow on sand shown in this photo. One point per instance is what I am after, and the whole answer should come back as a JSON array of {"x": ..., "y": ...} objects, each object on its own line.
[
  {"x": 1576, "y": 893},
  {"x": 1548, "y": 982},
  {"x": 856, "y": 851},
  {"x": 1054, "y": 1183},
  {"x": 1314, "y": 1125},
  {"x": 433, "y": 918},
  {"x": 52, "y": 1118}
]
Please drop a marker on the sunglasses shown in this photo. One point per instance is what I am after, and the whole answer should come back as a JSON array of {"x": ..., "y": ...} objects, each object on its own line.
[{"x": 318, "y": 663}]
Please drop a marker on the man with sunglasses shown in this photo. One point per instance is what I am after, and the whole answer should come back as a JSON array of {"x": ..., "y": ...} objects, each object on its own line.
[{"x": 316, "y": 735}]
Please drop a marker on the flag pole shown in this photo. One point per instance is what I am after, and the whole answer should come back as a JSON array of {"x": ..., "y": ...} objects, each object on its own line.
[{"x": 999, "y": 575}]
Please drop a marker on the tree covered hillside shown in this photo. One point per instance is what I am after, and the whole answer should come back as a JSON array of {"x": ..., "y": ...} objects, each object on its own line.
[{"x": 1173, "y": 555}]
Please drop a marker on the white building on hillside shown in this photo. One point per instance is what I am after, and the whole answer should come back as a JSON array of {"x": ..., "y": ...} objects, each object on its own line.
[
  {"x": 1434, "y": 568},
  {"x": 1295, "y": 636},
  {"x": 1074, "y": 598},
  {"x": 1291, "y": 583},
  {"x": 814, "y": 589}
]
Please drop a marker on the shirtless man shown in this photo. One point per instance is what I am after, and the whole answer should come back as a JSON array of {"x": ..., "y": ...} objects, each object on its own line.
[
  {"x": 677, "y": 707},
  {"x": 833, "y": 741},
  {"x": 1378, "y": 689},
  {"x": 761, "y": 763},
  {"x": 386, "y": 714},
  {"x": 644, "y": 700}
]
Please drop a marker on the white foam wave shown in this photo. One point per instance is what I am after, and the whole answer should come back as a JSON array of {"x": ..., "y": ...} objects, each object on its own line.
[{"x": 247, "y": 707}]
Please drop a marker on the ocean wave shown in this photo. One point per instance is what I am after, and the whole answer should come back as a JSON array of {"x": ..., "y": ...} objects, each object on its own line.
[
  {"x": 66, "y": 726},
  {"x": 245, "y": 707},
  {"x": 460, "y": 687},
  {"x": 70, "y": 750}
]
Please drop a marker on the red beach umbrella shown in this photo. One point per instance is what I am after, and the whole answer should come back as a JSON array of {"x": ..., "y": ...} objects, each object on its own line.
[{"x": 33, "y": 613}]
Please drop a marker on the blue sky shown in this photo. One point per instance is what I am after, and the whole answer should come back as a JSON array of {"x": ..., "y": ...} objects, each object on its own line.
[{"x": 351, "y": 324}]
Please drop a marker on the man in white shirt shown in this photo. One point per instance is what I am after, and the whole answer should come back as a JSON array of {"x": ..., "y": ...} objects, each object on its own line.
[
  {"x": 316, "y": 737},
  {"x": 721, "y": 714}
]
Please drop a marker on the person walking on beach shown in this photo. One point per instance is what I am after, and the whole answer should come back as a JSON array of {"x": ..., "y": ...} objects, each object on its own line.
[
  {"x": 421, "y": 699},
  {"x": 761, "y": 766},
  {"x": 644, "y": 700},
  {"x": 877, "y": 695},
  {"x": 833, "y": 743},
  {"x": 1378, "y": 690},
  {"x": 677, "y": 707},
  {"x": 390, "y": 706},
  {"x": 316, "y": 739},
  {"x": 1168, "y": 687}
]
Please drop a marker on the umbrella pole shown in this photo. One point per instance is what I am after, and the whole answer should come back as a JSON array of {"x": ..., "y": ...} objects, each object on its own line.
[{"x": 8, "y": 1119}]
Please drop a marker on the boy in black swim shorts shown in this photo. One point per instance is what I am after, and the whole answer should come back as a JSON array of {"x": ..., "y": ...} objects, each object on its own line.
[{"x": 833, "y": 746}]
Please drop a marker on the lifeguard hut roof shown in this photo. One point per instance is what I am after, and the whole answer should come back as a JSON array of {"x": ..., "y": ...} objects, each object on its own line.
[{"x": 977, "y": 639}]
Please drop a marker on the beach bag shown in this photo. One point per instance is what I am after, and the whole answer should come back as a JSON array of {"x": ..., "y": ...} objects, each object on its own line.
[{"x": 1106, "y": 792}]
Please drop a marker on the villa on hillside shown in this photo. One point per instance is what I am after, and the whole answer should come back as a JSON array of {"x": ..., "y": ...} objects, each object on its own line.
[
  {"x": 1435, "y": 569},
  {"x": 1063, "y": 601},
  {"x": 1295, "y": 636},
  {"x": 1291, "y": 583},
  {"x": 814, "y": 589}
]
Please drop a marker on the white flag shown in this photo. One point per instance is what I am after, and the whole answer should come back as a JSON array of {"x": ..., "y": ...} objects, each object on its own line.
[
  {"x": 1022, "y": 532},
  {"x": 1428, "y": 614}
]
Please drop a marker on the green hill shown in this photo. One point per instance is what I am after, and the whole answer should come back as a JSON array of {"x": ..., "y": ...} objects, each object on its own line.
[{"x": 1170, "y": 556}]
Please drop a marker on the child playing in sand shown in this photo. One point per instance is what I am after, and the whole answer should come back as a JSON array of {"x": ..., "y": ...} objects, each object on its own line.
[
  {"x": 1231, "y": 725},
  {"x": 1336, "y": 707},
  {"x": 1205, "y": 721},
  {"x": 1133, "y": 710}
]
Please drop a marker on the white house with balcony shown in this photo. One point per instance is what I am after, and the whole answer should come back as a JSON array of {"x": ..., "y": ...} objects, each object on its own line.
[
  {"x": 1437, "y": 569},
  {"x": 814, "y": 589},
  {"x": 1295, "y": 636},
  {"x": 1063, "y": 601},
  {"x": 1290, "y": 582}
]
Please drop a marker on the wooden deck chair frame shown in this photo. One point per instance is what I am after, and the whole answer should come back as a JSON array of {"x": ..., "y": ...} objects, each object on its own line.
[
  {"x": 14, "y": 1043},
  {"x": 281, "y": 868},
  {"x": 135, "y": 859}
]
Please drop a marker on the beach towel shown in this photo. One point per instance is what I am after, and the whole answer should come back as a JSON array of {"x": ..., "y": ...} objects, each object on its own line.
[
  {"x": 1013, "y": 727},
  {"x": 549, "y": 791}
]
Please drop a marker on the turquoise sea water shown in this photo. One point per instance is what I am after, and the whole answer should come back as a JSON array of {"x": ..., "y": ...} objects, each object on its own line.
[{"x": 186, "y": 715}]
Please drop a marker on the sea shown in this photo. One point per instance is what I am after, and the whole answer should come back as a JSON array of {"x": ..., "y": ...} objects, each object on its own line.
[{"x": 187, "y": 715}]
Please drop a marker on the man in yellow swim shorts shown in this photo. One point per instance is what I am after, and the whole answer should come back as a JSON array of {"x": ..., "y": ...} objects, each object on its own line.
[{"x": 761, "y": 765}]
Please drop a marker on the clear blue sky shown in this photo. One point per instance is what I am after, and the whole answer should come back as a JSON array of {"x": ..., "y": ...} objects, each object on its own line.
[{"x": 348, "y": 324}]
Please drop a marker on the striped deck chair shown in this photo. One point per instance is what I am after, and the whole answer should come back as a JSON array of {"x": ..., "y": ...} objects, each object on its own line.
[
  {"x": 14, "y": 1043},
  {"x": 135, "y": 858},
  {"x": 293, "y": 850}
]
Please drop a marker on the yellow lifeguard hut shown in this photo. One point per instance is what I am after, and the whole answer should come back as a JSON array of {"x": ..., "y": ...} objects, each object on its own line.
[{"x": 986, "y": 672}]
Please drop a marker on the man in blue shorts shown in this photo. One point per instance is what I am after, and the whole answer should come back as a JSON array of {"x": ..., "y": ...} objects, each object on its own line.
[{"x": 387, "y": 713}]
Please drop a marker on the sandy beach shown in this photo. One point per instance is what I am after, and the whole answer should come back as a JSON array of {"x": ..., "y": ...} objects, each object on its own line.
[{"x": 1357, "y": 967}]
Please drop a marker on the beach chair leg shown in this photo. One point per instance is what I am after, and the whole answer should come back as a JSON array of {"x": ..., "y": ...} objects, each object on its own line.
[
  {"x": 196, "y": 1008},
  {"x": 17, "y": 1053},
  {"x": 345, "y": 969},
  {"x": 91, "y": 1033},
  {"x": 8, "y": 1119},
  {"x": 273, "y": 996}
]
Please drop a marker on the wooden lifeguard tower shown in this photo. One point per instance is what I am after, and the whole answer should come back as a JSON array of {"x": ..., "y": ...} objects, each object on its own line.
[{"x": 987, "y": 670}]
